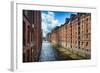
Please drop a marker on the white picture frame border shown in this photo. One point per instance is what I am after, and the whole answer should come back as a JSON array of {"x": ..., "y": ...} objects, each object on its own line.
[{"x": 16, "y": 37}]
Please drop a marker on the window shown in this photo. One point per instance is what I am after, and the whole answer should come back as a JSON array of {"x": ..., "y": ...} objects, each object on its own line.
[
  {"x": 86, "y": 43},
  {"x": 82, "y": 43},
  {"x": 87, "y": 30},
  {"x": 87, "y": 20}
]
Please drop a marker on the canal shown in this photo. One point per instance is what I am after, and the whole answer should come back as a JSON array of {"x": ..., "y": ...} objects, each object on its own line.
[{"x": 48, "y": 53}]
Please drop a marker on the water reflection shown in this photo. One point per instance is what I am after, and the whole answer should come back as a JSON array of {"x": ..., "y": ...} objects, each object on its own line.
[{"x": 47, "y": 52}]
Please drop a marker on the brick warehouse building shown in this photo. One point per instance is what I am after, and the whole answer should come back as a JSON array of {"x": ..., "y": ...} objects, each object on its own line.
[
  {"x": 68, "y": 35},
  {"x": 32, "y": 35},
  {"x": 85, "y": 32},
  {"x": 75, "y": 33}
]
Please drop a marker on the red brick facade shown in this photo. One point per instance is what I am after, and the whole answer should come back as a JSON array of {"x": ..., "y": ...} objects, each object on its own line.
[
  {"x": 85, "y": 32},
  {"x": 75, "y": 33},
  {"x": 32, "y": 38}
]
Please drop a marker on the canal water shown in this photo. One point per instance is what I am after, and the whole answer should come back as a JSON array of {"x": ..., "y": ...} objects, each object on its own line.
[{"x": 47, "y": 53}]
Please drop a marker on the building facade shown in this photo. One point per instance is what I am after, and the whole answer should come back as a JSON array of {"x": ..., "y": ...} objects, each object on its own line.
[
  {"x": 75, "y": 33},
  {"x": 31, "y": 35},
  {"x": 68, "y": 35},
  {"x": 85, "y": 32}
]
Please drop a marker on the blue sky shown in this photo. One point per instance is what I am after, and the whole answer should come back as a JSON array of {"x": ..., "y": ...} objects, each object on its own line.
[{"x": 51, "y": 19}]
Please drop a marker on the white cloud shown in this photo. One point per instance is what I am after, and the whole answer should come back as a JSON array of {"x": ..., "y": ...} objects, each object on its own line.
[
  {"x": 54, "y": 23},
  {"x": 48, "y": 22}
]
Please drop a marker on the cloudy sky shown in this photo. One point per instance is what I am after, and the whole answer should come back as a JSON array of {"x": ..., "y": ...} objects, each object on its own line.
[{"x": 51, "y": 19}]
